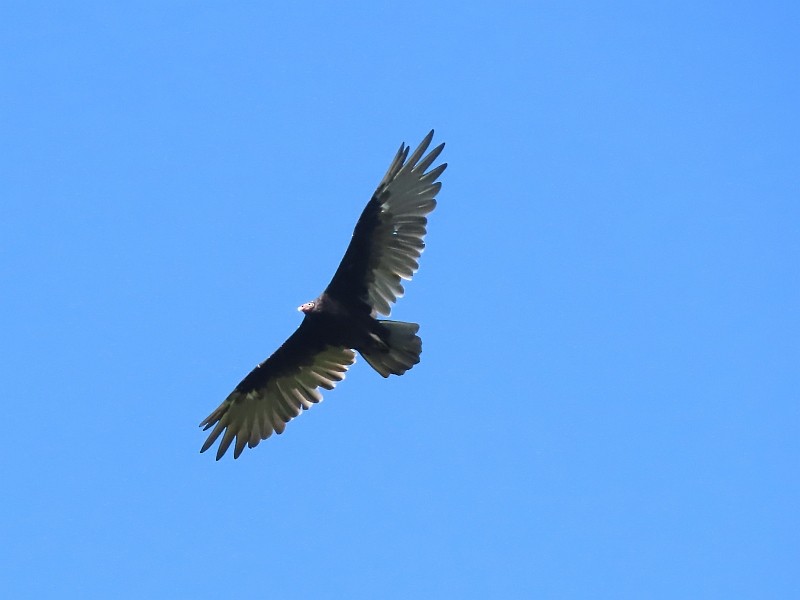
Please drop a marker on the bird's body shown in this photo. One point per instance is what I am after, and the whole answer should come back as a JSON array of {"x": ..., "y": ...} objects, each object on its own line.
[
  {"x": 386, "y": 244},
  {"x": 339, "y": 324}
]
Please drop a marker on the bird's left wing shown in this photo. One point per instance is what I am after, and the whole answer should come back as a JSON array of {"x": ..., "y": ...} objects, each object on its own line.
[
  {"x": 388, "y": 238},
  {"x": 277, "y": 390}
]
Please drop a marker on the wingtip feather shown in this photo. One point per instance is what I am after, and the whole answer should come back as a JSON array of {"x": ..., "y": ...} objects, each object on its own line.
[{"x": 423, "y": 146}]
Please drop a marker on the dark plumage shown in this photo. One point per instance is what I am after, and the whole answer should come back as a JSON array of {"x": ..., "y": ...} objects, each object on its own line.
[{"x": 386, "y": 245}]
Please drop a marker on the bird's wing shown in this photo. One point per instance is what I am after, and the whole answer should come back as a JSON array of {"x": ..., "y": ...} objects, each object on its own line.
[
  {"x": 388, "y": 238},
  {"x": 277, "y": 390}
]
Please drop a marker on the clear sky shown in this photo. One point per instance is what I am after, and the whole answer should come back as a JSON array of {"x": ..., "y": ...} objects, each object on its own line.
[{"x": 608, "y": 403}]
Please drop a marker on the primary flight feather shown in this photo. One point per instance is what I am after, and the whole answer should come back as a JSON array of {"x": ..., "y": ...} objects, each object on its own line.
[{"x": 386, "y": 245}]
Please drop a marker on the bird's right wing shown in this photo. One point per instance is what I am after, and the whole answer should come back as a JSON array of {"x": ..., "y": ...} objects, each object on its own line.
[
  {"x": 388, "y": 238},
  {"x": 277, "y": 390}
]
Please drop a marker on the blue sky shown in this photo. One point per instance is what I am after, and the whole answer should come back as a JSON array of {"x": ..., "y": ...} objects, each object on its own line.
[{"x": 607, "y": 403}]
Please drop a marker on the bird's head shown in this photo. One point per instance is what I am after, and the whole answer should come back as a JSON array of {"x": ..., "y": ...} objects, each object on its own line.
[{"x": 307, "y": 307}]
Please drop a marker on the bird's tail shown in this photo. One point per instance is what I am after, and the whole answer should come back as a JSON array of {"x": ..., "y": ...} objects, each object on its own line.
[{"x": 399, "y": 351}]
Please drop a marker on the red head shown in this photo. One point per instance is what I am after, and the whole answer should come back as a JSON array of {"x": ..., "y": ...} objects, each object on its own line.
[{"x": 307, "y": 307}]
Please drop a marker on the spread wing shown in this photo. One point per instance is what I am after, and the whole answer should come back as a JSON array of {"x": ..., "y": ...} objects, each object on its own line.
[
  {"x": 277, "y": 390},
  {"x": 388, "y": 238}
]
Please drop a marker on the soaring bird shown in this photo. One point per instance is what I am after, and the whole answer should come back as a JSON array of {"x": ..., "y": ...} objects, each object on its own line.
[{"x": 386, "y": 245}]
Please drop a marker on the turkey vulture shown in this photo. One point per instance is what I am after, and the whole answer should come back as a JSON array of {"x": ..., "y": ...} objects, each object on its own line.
[{"x": 386, "y": 244}]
